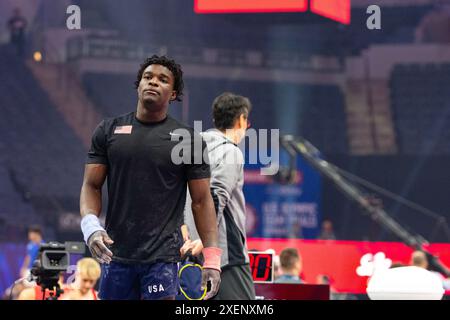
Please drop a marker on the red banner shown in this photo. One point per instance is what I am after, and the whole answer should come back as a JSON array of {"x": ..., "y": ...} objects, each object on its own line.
[
  {"x": 230, "y": 6},
  {"x": 339, "y": 260}
]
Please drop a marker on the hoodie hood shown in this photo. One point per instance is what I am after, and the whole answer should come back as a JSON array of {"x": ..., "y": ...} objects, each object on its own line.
[{"x": 215, "y": 138}]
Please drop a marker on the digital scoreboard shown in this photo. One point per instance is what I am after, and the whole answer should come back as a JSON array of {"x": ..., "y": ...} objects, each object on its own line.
[
  {"x": 261, "y": 266},
  {"x": 338, "y": 10}
]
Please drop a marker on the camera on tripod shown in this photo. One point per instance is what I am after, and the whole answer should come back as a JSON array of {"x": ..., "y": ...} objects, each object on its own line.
[{"x": 53, "y": 258}]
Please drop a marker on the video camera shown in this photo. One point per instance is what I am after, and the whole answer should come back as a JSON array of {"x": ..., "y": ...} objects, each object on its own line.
[{"x": 53, "y": 258}]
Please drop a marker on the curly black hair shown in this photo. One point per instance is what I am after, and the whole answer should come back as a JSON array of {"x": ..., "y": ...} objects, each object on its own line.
[
  {"x": 170, "y": 64},
  {"x": 227, "y": 108}
]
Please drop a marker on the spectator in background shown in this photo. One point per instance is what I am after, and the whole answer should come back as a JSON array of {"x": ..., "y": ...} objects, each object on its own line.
[
  {"x": 87, "y": 274},
  {"x": 295, "y": 231},
  {"x": 419, "y": 259},
  {"x": 17, "y": 25},
  {"x": 325, "y": 279},
  {"x": 291, "y": 266},
  {"x": 35, "y": 240},
  {"x": 327, "y": 232},
  {"x": 435, "y": 26}
]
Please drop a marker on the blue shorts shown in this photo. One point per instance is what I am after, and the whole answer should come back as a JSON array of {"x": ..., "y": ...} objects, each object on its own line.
[{"x": 120, "y": 281}]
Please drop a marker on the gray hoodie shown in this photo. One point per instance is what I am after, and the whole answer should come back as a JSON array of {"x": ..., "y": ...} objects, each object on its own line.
[{"x": 227, "y": 179}]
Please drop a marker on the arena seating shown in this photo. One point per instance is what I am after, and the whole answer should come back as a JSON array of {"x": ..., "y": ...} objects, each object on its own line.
[
  {"x": 420, "y": 95},
  {"x": 40, "y": 155}
]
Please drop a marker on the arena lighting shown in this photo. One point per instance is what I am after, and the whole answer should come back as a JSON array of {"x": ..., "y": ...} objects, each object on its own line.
[
  {"x": 338, "y": 10},
  {"x": 37, "y": 56}
]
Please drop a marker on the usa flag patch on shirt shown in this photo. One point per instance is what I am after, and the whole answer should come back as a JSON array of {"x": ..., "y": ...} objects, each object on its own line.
[{"x": 123, "y": 130}]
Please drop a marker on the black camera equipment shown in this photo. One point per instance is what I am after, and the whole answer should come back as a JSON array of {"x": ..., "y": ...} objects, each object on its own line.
[{"x": 53, "y": 258}]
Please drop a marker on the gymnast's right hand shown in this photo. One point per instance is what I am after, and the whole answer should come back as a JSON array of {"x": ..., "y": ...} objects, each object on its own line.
[{"x": 98, "y": 243}]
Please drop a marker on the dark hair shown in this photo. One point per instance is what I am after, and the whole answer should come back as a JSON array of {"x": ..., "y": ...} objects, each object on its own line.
[
  {"x": 35, "y": 229},
  {"x": 227, "y": 108},
  {"x": 170, "y": 64},
  {"x": 288, "y": 258}
]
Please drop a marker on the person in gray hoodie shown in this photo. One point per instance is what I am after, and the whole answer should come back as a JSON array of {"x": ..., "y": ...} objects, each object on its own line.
[{"x": 230, "y": 116}]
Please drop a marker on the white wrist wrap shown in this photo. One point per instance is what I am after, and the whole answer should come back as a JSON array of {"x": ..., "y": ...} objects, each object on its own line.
[{"x": 90, "y": 224}]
